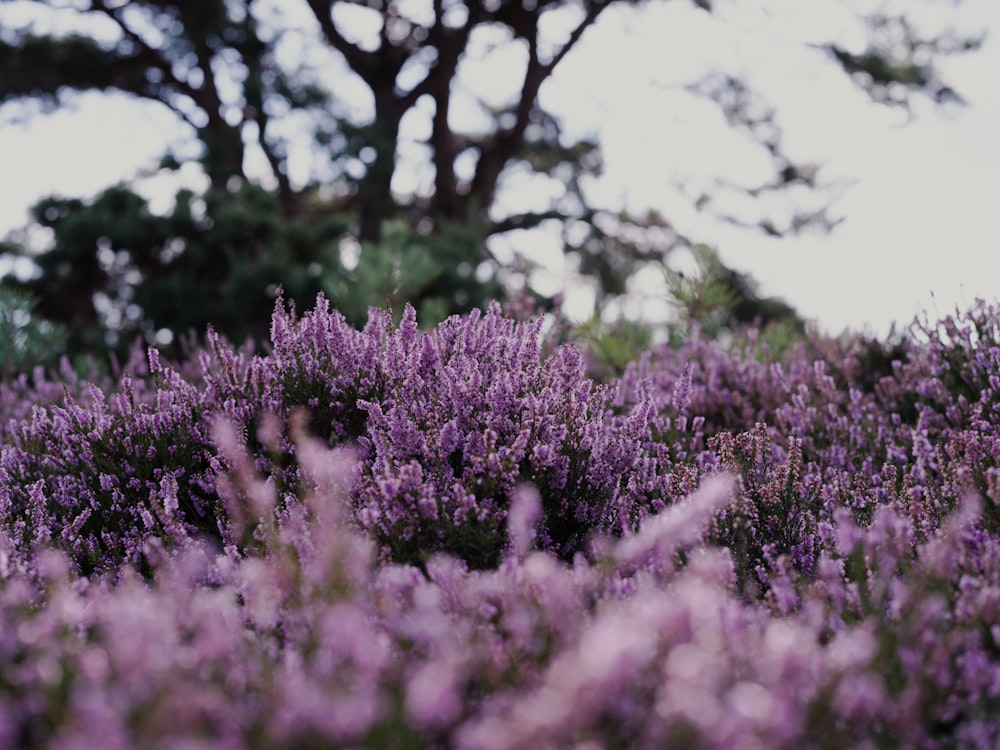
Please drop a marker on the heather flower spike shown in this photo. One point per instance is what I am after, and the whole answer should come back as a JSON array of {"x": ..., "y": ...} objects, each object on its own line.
[{"x": 453, "y": 537}]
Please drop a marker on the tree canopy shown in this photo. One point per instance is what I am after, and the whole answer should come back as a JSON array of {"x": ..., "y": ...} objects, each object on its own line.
[{"x": 300, "y": 116}]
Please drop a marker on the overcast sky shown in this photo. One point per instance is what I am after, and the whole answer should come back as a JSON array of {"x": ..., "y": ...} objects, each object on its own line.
[{"x": 921, "y": 214}]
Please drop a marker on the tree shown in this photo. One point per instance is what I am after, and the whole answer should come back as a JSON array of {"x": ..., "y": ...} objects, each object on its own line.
[
  {"x": 267, "y": 83},
  {"x": 25, "y": 340}
]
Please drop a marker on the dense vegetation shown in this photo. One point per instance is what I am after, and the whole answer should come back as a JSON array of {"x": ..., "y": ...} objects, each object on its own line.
[
  {"x": 456, "y": 537},
  {"x": 475, "y": 535},
  {"x": 415, "y": 152}
]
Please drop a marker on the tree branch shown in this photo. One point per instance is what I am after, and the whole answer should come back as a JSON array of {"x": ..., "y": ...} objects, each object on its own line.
[
  {"x": 592, "y": 13},
  {"x": 531, "y": 220},
  {"x": 154, "y": 59},
  {"x": 253, "y": 91},
  {"x": 492, "y": 162},
  {"x": 360, "y": 62}
]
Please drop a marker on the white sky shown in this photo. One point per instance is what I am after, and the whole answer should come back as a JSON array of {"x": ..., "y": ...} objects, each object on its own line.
[{"x": 921, "y": 216}]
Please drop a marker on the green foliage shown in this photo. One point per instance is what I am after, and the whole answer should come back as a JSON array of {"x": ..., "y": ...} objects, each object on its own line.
[
  {"x": 717, "y": 300},
  {"x": 26, "y": 340},
  {"x": 439, "y": 274},
  {"x": 116, "y": 270},
  {"x": 611, "y": 347},
  {"x": 720, "y": 300},
  {"x": 231, "y": 251},
  {"x": 704, "y": 297}
]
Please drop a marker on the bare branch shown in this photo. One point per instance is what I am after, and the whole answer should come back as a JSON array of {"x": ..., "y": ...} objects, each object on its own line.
[
  {"x": 530, "y": 220},
  {"x": 592, "y": 13},
  {"x": 361, "y": 62},
  {"x": 502, "y": 150}
]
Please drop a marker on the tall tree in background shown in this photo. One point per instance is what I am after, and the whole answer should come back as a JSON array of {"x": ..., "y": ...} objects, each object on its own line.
[{"x": 267, "y": 87}]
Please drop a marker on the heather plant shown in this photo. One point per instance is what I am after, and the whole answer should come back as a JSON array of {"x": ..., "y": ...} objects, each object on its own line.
[
  {"x": 776, "y": 514},
  {"x": 103, "y": 474},
  {"x": 481, "y": 547},
  {"x": 310, "y": 641},
  {"x": 930, "y": 608},
  {"x": 842, "y": 438},
  {"x": 22, "y": 394},
  {"x": 471, "y": 411},
  {"x": 733, "y": 385},
  {"x": 318, "y": 362},
  {"x": 78, "y": 379},
  {"x": 306, "y": 641},
  {"x": 450, "y": 422},
  {"x": 313, "y": 643},
  {"x": 957, "y": 358}
]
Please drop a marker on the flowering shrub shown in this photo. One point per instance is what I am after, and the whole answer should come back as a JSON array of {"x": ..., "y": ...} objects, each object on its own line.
[
  {"x": 101, "y": 475},
  {"x": 469, "y": 413},
  {"x": 450, "y": 423},
  {"x": 317, "y": 362},
  {"x": 453, "y": 538}
]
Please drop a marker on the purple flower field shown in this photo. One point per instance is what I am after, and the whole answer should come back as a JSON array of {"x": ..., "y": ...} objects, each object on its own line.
[{"x": 455, "y": 538}]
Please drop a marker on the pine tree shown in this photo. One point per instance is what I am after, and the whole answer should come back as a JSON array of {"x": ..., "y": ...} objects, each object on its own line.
[{"x": 250, "y": 79}]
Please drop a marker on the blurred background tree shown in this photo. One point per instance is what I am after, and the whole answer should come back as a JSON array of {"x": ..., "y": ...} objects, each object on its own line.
[
  {"x": 26, "y": 340},
  {"x": 336, "y": 158}
]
